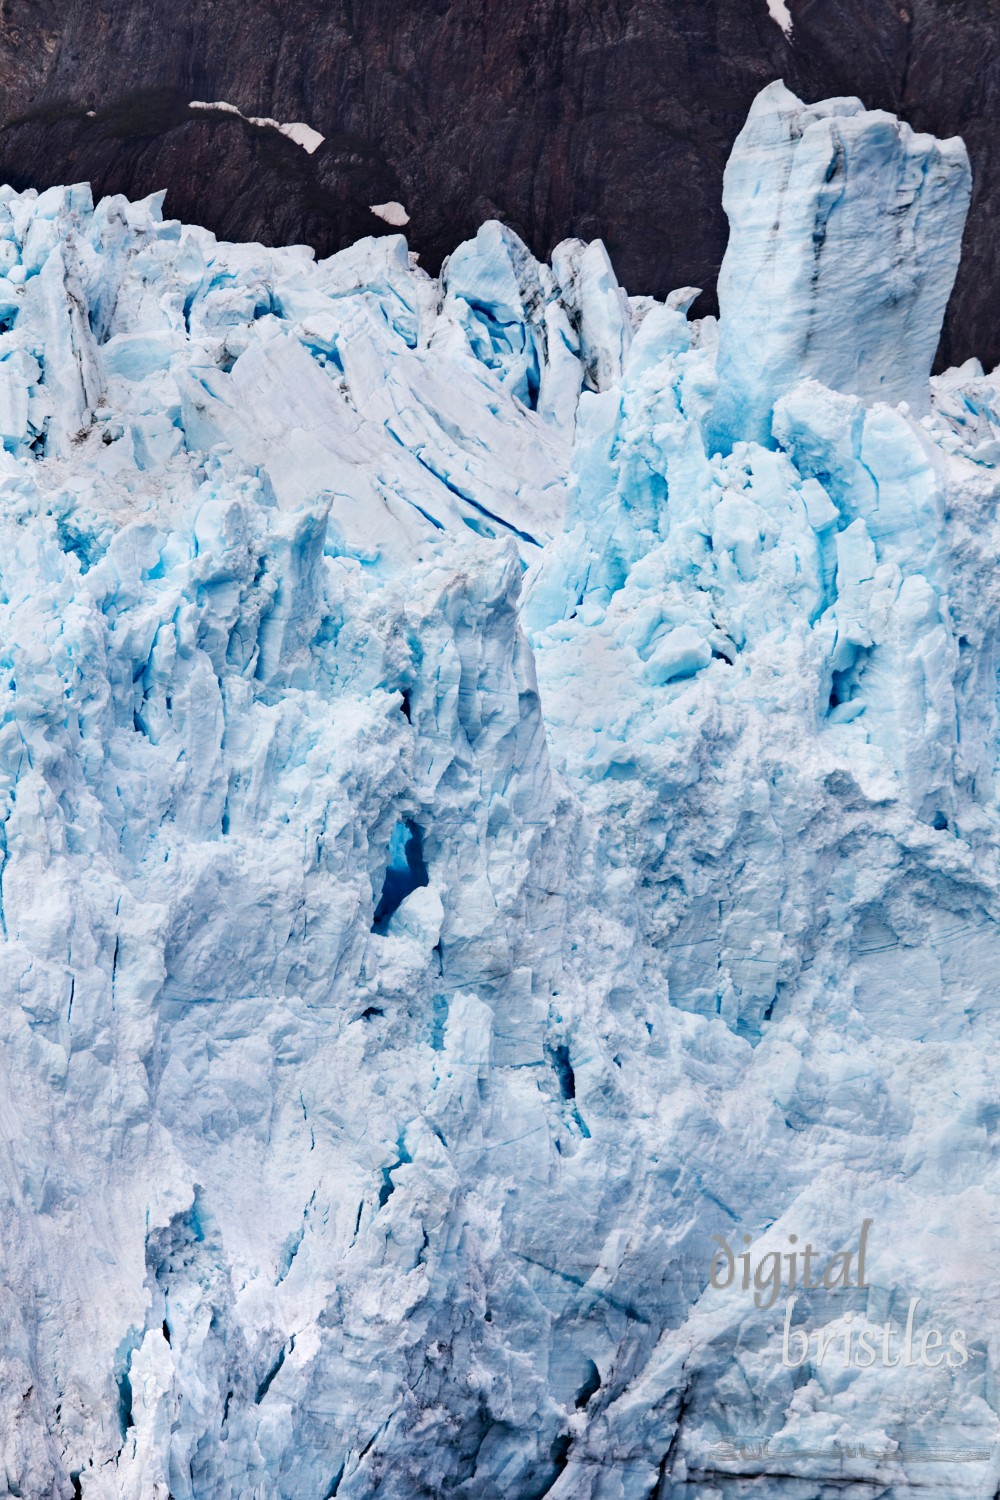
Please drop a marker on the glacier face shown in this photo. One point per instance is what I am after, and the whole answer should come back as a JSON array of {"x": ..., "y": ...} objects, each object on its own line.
[
  {"x": 476, "y": 827},
  {"x": 832, "y": 208}
]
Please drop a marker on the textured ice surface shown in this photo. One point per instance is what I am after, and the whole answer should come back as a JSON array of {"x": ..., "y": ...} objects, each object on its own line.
[
  {"x": 845, "y": 232},
  {"x": 466, "y": 843}
]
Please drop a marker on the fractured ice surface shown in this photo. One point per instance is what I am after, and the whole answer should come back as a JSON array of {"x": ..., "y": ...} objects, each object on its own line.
[
  {"x": 845, "y": 233},
  {"x": 470, "y": 836}
]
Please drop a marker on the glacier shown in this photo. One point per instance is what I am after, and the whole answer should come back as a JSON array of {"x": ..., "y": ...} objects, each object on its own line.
[{"x": 498, "y": 790}]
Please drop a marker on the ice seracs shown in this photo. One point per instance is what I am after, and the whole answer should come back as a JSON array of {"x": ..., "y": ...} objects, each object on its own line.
[
  {"x": 845, "y": 235},
  {"x": 469, "y": 838}
]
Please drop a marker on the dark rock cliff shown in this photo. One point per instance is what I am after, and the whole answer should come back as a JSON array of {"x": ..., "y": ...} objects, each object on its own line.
[{"x": 588, "y": 117}]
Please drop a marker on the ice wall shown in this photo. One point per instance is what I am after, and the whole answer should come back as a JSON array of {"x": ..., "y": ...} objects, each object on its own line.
[
  {"x": 845, "y": 229},
  {"x": 466, "y": 843}
]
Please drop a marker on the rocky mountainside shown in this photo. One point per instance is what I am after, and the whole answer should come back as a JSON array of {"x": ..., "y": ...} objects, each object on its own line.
[{"x": 608, "y": 118}]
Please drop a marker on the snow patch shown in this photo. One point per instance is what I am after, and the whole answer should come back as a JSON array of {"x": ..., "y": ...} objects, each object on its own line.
[
  {"x": 216, "y": 104},
  {"x": 303, "y": 135},
  {"x": 392, "y": 212},
  {"x": 779, "y": 12}
]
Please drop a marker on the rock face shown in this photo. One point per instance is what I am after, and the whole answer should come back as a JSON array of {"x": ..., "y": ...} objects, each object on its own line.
[
  {"x": 590, "y": 120},
  {"x": 561, "y": 120},
  {"x": 468, "y": 851}
]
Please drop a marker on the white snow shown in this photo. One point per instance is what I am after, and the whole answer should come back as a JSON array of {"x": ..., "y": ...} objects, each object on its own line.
[
  {"x": 302, "y": 135},
  {"x": 392, "y": 212},
  {"x": 779, "y": 12},
  {"x": 216, "y": 104}
]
